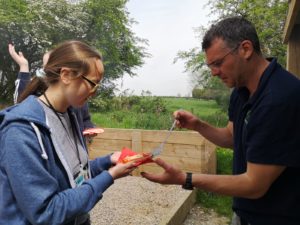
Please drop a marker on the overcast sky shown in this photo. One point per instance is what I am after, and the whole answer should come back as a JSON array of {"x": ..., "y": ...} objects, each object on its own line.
[{"x": 168, "y": 25}]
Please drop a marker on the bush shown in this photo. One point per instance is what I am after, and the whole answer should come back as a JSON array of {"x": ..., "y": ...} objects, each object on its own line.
[
  {"x": 139, "y": 104},
  {"x": 151, "y": 121},
  {"x": 218, "y": 119},
  {"x": 222, "y": 99}
]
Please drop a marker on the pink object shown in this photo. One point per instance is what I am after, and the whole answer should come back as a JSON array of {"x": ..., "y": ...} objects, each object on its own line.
[{"x": 93, "y": 131}]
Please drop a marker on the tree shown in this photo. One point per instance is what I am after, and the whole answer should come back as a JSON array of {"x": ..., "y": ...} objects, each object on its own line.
[
  {"x": 268, "y": 16},
  {"x": 111, "y": 33},
  {"x": 11, "y": 14},
  {"x": 35, "y": 26}
]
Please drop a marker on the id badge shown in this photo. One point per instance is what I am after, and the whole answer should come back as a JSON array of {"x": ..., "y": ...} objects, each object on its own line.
[{"x": 82, "y": 176}]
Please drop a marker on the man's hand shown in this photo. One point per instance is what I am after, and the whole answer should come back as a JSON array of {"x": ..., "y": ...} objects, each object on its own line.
[
  {"x": 19, "y": 58},
  {"x": 186, "y": 120},
  {"x": 171, "y": 175}
]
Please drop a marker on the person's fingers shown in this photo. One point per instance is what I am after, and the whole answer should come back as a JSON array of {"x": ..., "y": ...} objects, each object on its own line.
[
  {"x": 11, "y": 49},
  {"x": 150, "y": 176},
  {"x": 86, "y": 135},
  {"x": 175, "y": 114},
  {"x": 162, "y": 164},
  {"x": 16, "y": 56},
  {"x": 130, "y": 170},
  {"x": 115, "y": 157},
  {"x": 130, "y": 165}
]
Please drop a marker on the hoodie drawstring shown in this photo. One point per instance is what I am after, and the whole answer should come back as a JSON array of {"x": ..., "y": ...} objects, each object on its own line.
[{"x": 38, "y": 134}]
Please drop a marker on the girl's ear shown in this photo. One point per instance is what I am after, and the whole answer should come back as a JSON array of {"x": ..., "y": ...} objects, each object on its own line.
[{"x": 65, "y": 75}]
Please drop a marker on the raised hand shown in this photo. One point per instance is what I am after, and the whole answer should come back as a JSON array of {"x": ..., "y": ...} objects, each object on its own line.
[{"x": 19, "y": 58}]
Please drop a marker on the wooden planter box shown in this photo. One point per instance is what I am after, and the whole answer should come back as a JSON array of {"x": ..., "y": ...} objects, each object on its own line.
[{"x": 187, "y": 150}]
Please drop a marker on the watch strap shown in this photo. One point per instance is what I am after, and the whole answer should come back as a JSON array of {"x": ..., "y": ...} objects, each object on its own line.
[{"x": 188, "y": 185}]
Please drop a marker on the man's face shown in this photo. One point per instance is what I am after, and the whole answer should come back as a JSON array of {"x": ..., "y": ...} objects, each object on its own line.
[{"x": 225, "y": 63}]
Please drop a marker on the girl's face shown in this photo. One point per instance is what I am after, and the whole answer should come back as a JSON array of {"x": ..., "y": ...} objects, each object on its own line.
[{"x": 84, "y": 86}]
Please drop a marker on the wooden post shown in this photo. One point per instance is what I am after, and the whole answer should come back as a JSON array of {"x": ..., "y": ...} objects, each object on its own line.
[
  {"x": 293, "y": 51},
  {"x": 291, "y": 36},
  {"x": 136, "y": 146}
]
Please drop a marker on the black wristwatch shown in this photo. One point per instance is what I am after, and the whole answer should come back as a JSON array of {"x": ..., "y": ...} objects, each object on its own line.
[{"x": 188, "y": 182}]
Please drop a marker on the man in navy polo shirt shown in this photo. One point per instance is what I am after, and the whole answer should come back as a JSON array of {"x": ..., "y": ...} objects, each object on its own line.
[{"x": 263, "y": 130}]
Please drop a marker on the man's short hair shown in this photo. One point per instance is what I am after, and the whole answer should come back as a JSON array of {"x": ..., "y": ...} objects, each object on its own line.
[{"x": 232, "y": 30}]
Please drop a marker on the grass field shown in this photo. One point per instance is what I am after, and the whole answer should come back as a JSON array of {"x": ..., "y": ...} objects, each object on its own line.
[
  {"x": 202, "y": 108},
  {"x": 207, "y": 110}
]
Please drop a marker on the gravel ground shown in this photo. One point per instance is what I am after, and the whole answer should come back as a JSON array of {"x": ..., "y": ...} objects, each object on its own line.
[
  {"x": 202, "y": 216},
  {"x": 136, "y": 201}
]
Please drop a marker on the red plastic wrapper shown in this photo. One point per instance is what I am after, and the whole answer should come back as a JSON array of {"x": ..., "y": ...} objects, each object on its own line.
[{"x": 128, "y": 155}]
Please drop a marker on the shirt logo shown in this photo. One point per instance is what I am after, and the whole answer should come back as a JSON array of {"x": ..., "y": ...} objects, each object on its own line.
[{"x": 247, "y": 117}]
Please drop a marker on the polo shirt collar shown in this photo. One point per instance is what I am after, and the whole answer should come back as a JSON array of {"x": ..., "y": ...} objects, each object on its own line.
[{"x": 244, "y": 93}]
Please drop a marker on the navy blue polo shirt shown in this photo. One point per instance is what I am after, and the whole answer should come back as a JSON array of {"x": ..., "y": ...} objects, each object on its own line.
[{"x": 267, "y": 131}]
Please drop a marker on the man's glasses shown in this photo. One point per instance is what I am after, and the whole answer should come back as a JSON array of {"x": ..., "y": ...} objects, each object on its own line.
[
  {"x": 92, "y": 83},
  {"x": 216, "y": 64}
]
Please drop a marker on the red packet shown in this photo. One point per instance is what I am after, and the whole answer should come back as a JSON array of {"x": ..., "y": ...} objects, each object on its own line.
[
  {"x": 91, "y": 131},
  {"x": 128, "y": 155}
]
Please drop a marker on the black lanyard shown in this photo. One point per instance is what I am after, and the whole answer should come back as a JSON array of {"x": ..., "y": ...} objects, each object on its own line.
[{"x": 73, "y": 131}]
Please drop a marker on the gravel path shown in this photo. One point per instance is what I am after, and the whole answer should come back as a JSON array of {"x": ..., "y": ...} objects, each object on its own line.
[
  {"x": 136, "y": 201},
  {"x": 202, "y": 216}
]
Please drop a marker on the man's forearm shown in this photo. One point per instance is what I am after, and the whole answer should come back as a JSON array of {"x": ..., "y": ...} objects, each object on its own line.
[
  {"x": 219, "y": 136},
  {"x": 230, "y": 185},
  {"x": 252, "y": 184}
]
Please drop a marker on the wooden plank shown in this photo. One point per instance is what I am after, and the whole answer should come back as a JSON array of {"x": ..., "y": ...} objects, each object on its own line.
[
  {"x": 209, "y": 163},
  {"x": 113, "y": 145},
  {"x": 137, "y": 141},
  {"x": 157, "y": 136},
  {"x": 294, "y": 7},
  {"x": 178, "y": 150},
  {"x": 178, "y": 213},
  {"x": 116, "y": 134},
  {"x": 185, "y": 151},
  {"x": 96, "y": 153},
  {"x": 293, "y": 52},
  {"x": 177, "y": 137},
  {"x": 183, "y": 163}
]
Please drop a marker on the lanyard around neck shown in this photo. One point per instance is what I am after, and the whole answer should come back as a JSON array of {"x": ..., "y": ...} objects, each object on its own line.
[{"x": 73, "y": 130}]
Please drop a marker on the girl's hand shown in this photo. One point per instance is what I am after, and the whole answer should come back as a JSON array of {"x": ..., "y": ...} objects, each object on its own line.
[
  {"x": 121, "y": 170},
  {"x": 114, "y": 157}
]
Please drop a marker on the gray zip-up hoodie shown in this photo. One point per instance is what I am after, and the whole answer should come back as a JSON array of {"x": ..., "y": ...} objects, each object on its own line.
[{"x": 36, "y": 186}]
